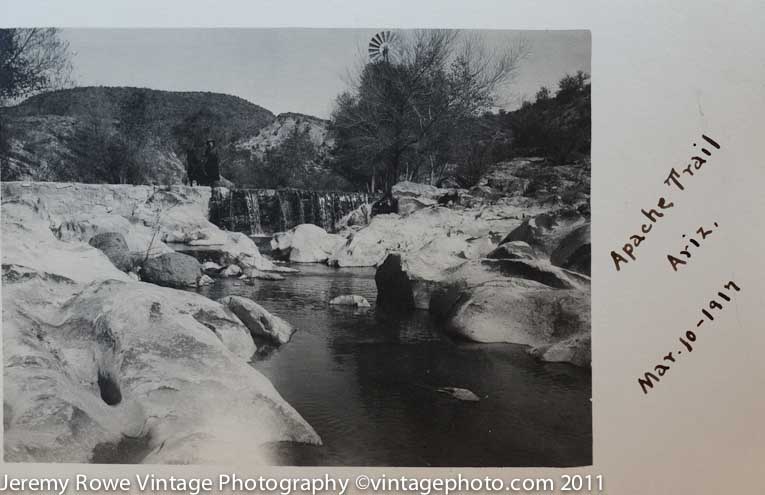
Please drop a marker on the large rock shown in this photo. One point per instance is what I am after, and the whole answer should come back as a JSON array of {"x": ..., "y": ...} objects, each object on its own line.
[
  {"x": 414, "y": 189},
  {"x": 80, "y": 361},
  {"x": 411, "y": 196},
  {"x": 94, "y": 361},
  {"x": 538, "y": 270},
  {"x": 357, "y": 218},
  {"x": 545, "y": 231},
  {"x": 306, "y": 243},
  {"x": 408, "y": 234},
  {"x": 574, "y": 250},
  {"x": 240, "y": 250},
  {"x": 260, "y": 322},
  {"x": 519, "y": 311},
  {"x": 114, "y": 246},
  {"x": 522, "y": 300},
  {"x": 28, "y": 241},
  {"x": 409, "y": 281},
  {"x": 406, "y": 282},
  {"x": 172, "y": 270},
  {"x": 147, "y": 216},
  {"x": 408, "y": 205},
  {"x": 143, "y": 240},
  {"x": 394, "y": 288},
  {"x": 513, "y": 250}
]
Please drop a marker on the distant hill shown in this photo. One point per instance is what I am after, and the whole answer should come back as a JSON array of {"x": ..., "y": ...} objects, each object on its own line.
[
  {"x": 163, "y": 109},
  {"x": 135, "y": 135}
]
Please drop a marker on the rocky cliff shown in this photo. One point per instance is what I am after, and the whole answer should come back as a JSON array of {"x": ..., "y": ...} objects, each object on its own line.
[{"x": 277, "y": 132}]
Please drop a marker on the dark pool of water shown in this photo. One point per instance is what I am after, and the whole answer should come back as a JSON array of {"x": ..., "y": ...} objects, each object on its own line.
[{"x": 366, "y": 381}]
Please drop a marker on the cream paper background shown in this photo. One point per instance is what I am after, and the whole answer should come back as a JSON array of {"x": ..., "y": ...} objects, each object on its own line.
[{"x": 663, "y": 73}]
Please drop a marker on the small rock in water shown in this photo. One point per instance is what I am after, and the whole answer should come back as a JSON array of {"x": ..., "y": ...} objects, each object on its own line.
[
  {"x": 459, "y": 393},
  {"x": 260, "y": 275},
  {"x": 205, "y": 280},
  {"x": 232, "y": 271},
  {"x": 210, "y": 267},
  {"x": 350, "y": 300}
]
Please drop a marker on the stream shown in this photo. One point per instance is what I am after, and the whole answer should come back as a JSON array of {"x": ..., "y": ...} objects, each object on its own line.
[{"x": 366, "y": 381}]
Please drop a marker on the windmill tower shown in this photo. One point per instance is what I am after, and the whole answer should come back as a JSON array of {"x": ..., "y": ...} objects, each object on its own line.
[{"x": 382, "y": 47}]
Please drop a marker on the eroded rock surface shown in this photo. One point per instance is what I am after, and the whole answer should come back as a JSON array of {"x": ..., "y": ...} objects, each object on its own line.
[
  {"x": 506, "y": 262},
  {"x": 95, "y": 360},
  {"x": 148, "y": 217}
]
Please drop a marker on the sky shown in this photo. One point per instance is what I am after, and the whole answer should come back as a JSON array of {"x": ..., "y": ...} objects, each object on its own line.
[{"x": 284, "y": 70}]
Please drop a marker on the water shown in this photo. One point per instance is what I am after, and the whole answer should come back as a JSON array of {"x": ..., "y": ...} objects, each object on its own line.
[{"x": 366, "y": 382}]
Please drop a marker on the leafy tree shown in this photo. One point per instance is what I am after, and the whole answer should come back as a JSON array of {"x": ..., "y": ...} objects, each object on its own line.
[
  {"x": 558, "y": 127},
  {"x": 399, "y": 116},
  {"x": 543, "y": 94},
  {"x": 287, "y": 165}
]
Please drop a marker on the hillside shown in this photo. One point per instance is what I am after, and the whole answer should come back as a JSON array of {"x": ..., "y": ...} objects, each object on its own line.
[
  {"x": 279, "y": 130},
  {"x": 163, "y": 109},
  {"x": 86, "y": 133}
]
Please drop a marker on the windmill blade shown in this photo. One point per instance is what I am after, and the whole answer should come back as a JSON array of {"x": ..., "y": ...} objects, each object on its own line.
[{"x": 382, "y": 46}]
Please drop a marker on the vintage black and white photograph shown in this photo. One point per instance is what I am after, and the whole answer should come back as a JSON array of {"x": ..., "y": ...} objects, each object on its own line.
[{"x": 297, "y": 247}]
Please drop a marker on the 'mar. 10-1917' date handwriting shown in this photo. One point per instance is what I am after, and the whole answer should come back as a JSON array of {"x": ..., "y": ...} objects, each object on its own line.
[
  {"x": 677, "y": 180},
  {"x": 724, "y": 296}
]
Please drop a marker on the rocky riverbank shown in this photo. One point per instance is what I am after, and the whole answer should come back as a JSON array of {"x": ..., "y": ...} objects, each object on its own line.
[
  {"x": 100, "y": 367},
  {"x": 506, "y": 261}
]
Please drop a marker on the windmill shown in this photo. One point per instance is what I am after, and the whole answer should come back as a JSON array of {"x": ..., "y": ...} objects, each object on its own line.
[{"x": 382, "y": 46}]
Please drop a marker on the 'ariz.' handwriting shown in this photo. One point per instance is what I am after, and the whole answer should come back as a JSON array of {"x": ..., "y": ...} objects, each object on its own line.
[{"x": 677, "y": 180}]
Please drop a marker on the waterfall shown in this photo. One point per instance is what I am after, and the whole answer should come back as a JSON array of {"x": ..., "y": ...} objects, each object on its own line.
[
  {"x": 253, "y": 212},
  {"x": 265, "y": 211}
]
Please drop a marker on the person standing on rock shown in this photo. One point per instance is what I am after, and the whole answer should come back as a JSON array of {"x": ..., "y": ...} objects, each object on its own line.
[
  {"x": 211, "y": 166},
  {"x": 194, "y": 168}
]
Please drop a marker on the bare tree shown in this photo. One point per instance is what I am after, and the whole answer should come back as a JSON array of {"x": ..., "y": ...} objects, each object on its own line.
[{"x": 32, "y": 60}]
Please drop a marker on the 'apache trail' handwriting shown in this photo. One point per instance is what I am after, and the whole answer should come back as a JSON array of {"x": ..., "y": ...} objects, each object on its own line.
[{"x": 620, "y": 257}]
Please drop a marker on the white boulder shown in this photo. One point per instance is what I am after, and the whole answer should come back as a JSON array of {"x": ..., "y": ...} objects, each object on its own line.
[{"x": 350, "y": 300}]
